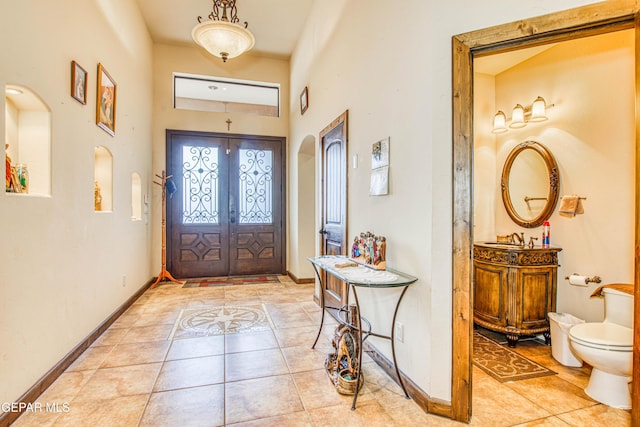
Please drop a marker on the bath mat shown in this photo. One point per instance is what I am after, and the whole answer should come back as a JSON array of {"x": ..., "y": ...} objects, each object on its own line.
[
  {"x": 221, "y": 320},
  {"x": 502, "y": 363},
  {"x": 230, "y": 280}
]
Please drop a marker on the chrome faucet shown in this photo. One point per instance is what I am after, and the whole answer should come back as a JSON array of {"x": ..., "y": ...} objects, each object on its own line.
[{"x": 513, "y": 237}]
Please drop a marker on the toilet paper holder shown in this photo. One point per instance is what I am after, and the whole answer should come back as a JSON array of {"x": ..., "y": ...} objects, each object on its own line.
[{"x": 593, "y": 279}]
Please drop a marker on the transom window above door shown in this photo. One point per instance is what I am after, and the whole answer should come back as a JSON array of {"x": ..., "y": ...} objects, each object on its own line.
[{"x": 222, "y": 95}]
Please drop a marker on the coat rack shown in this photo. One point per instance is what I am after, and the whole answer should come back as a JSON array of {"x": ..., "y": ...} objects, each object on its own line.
[{"x": 164, "y": 274}]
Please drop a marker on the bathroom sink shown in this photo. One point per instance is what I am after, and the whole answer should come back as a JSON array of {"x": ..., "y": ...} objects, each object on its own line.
[{"x": 503, "y": 245}]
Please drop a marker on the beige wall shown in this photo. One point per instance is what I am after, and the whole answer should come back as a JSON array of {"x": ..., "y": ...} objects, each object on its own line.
[
  {"x": 193, "y": 60},
  {"x": 391, "y": 68},
  {"x": 590, "y": 132},
  {"x": 65, "y": 268}
]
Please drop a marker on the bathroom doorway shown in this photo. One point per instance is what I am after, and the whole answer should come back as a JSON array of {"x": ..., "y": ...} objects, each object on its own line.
[{"x": 567, "y": 25}]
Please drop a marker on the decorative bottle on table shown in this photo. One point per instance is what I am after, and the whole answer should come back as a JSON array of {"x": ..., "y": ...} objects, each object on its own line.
[{"x": 546, "y": 234}]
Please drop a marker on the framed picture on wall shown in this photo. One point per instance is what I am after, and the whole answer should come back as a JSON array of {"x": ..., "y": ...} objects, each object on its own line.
[
  {"x": 106, "y": 101},
  {"x": 78, "y": 83},
  {"x": 304, "y": 100}
]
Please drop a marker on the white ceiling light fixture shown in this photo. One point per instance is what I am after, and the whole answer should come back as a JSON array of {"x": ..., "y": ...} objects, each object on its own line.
[{"x": 221, "y": 35}]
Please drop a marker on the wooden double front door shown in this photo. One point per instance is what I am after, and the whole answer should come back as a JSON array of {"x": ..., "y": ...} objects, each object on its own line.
[{"x": 225, "y": 204}]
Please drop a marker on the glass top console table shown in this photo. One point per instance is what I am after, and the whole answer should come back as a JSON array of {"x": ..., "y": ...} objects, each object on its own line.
[{"x": 359, "y": 276}]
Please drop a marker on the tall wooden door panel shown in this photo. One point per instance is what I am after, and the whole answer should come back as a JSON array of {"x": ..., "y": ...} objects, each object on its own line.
[
  {"x": 333, "y": 141},
  {"x": 226, "y": 214}
]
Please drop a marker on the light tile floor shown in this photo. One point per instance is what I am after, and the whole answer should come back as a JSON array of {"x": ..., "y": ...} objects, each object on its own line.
[{"x": 165, "y": 362}]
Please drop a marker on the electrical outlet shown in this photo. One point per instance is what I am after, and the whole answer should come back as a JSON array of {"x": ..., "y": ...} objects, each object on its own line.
[
  {"x": 400, "y": 331},
  {"x": 124, "y": 281}
]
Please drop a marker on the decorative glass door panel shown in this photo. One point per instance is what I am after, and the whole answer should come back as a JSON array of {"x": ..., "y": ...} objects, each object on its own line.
[
  {"x": 255, "y": 187},
  {"x": 200, "y": 201},
  {"x": 226, "y": 215}
]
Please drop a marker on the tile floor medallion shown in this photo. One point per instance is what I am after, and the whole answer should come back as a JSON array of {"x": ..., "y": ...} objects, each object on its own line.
[{"x": 222, "y": 320}]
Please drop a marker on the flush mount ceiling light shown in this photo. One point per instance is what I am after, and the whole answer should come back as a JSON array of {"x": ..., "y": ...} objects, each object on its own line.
[
  {"x": 520, "y": 116},
  {"x": 221, "y": 35}
]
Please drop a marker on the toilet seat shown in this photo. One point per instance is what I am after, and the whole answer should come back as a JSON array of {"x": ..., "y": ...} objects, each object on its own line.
[{"x": 605, "y": 336}]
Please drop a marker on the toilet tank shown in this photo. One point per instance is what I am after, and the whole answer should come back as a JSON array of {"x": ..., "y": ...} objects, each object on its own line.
[{"x": 618, "y": 307}]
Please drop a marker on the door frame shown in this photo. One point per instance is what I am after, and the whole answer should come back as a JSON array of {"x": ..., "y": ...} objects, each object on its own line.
[
  {"x": 574, "y": 23},
  {"x": 283, "y": 198}
]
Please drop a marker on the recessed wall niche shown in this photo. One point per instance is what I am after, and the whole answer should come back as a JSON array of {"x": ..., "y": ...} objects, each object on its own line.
[
  {"x": 27, "y": 142},
  {"x": 136, "y": 197},
  {"x": 103, "y": 180}
]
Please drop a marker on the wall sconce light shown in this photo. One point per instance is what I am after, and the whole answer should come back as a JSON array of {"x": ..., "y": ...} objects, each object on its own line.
[
  {"x": 539, "y": 110},
  {"x": 499, "y": 123},
  {"x": 520, "y": 116},
  {"x": 517, "y": 117}
]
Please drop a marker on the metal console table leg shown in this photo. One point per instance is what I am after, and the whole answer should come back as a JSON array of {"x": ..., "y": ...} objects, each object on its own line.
[{"x": 321, "y": 305}]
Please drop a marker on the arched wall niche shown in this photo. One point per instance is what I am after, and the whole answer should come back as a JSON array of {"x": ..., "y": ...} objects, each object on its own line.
[
  {"x": 103, "y": 180},
  {"x": 27, "y": 142}
]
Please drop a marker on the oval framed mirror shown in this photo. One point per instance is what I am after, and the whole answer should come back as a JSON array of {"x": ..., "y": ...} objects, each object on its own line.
[{"x": 530, "y": 184}]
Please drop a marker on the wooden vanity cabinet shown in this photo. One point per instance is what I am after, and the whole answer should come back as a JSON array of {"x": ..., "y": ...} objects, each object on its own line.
[{"x": 514, "y": 289}]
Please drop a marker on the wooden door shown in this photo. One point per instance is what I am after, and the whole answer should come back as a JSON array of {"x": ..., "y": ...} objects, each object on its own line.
[
  {"x": 333, "y": 232},
  {"x": 226, "y": 215},
  {"x": 256, "y": 206}
]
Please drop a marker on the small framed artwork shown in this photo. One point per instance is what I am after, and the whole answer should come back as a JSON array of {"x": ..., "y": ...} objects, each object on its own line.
[
  {"x": 380, "y": 154},
  {"x": 106, "y": 101},
  {"x": 379, "y": 168},
  {"x": 304, "y": 100},
  {"x": 78, "y": 83}
]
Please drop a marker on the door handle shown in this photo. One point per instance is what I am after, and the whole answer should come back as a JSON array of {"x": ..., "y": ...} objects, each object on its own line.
[
  {"x": 323, "y": 231},
  {"x": 232, "y": 210}
]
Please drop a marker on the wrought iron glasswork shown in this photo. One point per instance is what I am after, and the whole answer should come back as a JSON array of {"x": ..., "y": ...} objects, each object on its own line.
[
  {"x": 200, "y": 169},
  {"x": 255, "y": 186}
]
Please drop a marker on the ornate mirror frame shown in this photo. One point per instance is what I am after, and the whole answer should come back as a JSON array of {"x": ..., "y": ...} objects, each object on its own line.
[{"x": 554, "y": 184}]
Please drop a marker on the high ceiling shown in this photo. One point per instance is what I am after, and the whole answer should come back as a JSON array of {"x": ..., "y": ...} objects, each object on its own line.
[{"x": 276, "y": 24}]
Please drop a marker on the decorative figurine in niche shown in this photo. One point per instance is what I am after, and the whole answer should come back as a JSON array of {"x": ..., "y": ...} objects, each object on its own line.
[
  {"x": 370, "y": 250},
  {"x": 8, "y": 175},
  {"x": 97, "y": 197},
  {"x": 23, "y": 177}
]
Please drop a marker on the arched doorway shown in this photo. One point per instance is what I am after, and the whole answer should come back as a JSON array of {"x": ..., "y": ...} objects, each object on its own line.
[{"x": 306, "y": 207}]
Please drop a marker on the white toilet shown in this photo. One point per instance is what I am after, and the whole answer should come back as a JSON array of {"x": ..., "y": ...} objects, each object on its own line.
[{"x": 608, "y": 348}]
